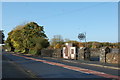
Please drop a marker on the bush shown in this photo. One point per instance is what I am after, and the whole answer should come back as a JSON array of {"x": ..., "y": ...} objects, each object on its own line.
[
  {"x": 34, "y": 52},
  {"x": 17, "y": 50}
]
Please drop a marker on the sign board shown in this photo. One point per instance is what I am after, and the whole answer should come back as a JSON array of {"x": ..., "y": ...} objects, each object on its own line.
[{"x": 81, "y": 36}]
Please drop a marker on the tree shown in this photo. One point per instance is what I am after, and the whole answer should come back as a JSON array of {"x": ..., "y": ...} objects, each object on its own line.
[
  {"x": 57, "y": 41},
  {"x": 28, "y": 36},
  {"x": 66, "y": 40},
  {"x": 9, "y": 42},
  {"x": 33, "y": 30},
  {"x": 2, "y": 37},
  {"x": 17, "y": 40}
]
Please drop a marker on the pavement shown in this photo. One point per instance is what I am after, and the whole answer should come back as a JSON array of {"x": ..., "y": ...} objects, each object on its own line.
[{"x": 91, "y": 63}]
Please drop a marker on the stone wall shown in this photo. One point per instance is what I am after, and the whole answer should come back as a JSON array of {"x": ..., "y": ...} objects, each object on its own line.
[
  {"x": 57, "y": 53},
  {"x": 84, "y": 54},
  {"x": 51, "y": 53},
  {"x": 99, "y": 55},
  {"x": 80, "y": 54},
  {"x": 95, "y": 52},
  {"x": 115, "y": 50},
  {"x": 47, "y": 52},
  {"x": 113, "y": 58},
  {"x": 110, "y": 57}
]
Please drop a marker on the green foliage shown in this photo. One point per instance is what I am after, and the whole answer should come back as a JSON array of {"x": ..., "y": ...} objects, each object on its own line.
[
  {"x": 9, "y": 43},
  {"x": 27, "y": 37},
  {"x": 33, "y": 51}
]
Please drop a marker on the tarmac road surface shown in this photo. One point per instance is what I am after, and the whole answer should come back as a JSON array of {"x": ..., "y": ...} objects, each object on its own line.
[
  {"x": 57, "y": 69},
  {"x": 12, "y": 71}
]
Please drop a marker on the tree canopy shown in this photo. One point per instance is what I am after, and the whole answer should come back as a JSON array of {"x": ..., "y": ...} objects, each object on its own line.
[{"x": 27, "y": 37}]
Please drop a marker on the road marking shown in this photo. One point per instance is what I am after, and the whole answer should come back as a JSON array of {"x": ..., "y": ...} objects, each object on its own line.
[{"x": 87, "y": 71}]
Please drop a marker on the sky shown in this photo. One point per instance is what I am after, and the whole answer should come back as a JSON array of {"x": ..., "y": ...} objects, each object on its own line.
[{"x": 98, "y": 19}]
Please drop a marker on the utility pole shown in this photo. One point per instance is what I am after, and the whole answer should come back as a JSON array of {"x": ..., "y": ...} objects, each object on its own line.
[{"x": 85, "y": 40}]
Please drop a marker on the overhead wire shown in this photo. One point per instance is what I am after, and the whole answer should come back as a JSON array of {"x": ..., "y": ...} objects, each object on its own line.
[{"x": 75, "y": 11}]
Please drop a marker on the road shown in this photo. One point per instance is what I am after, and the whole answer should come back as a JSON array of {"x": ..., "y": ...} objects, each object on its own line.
[
  {"x": 10, "y": 70},
  {"x": 48, "y": 68}
]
